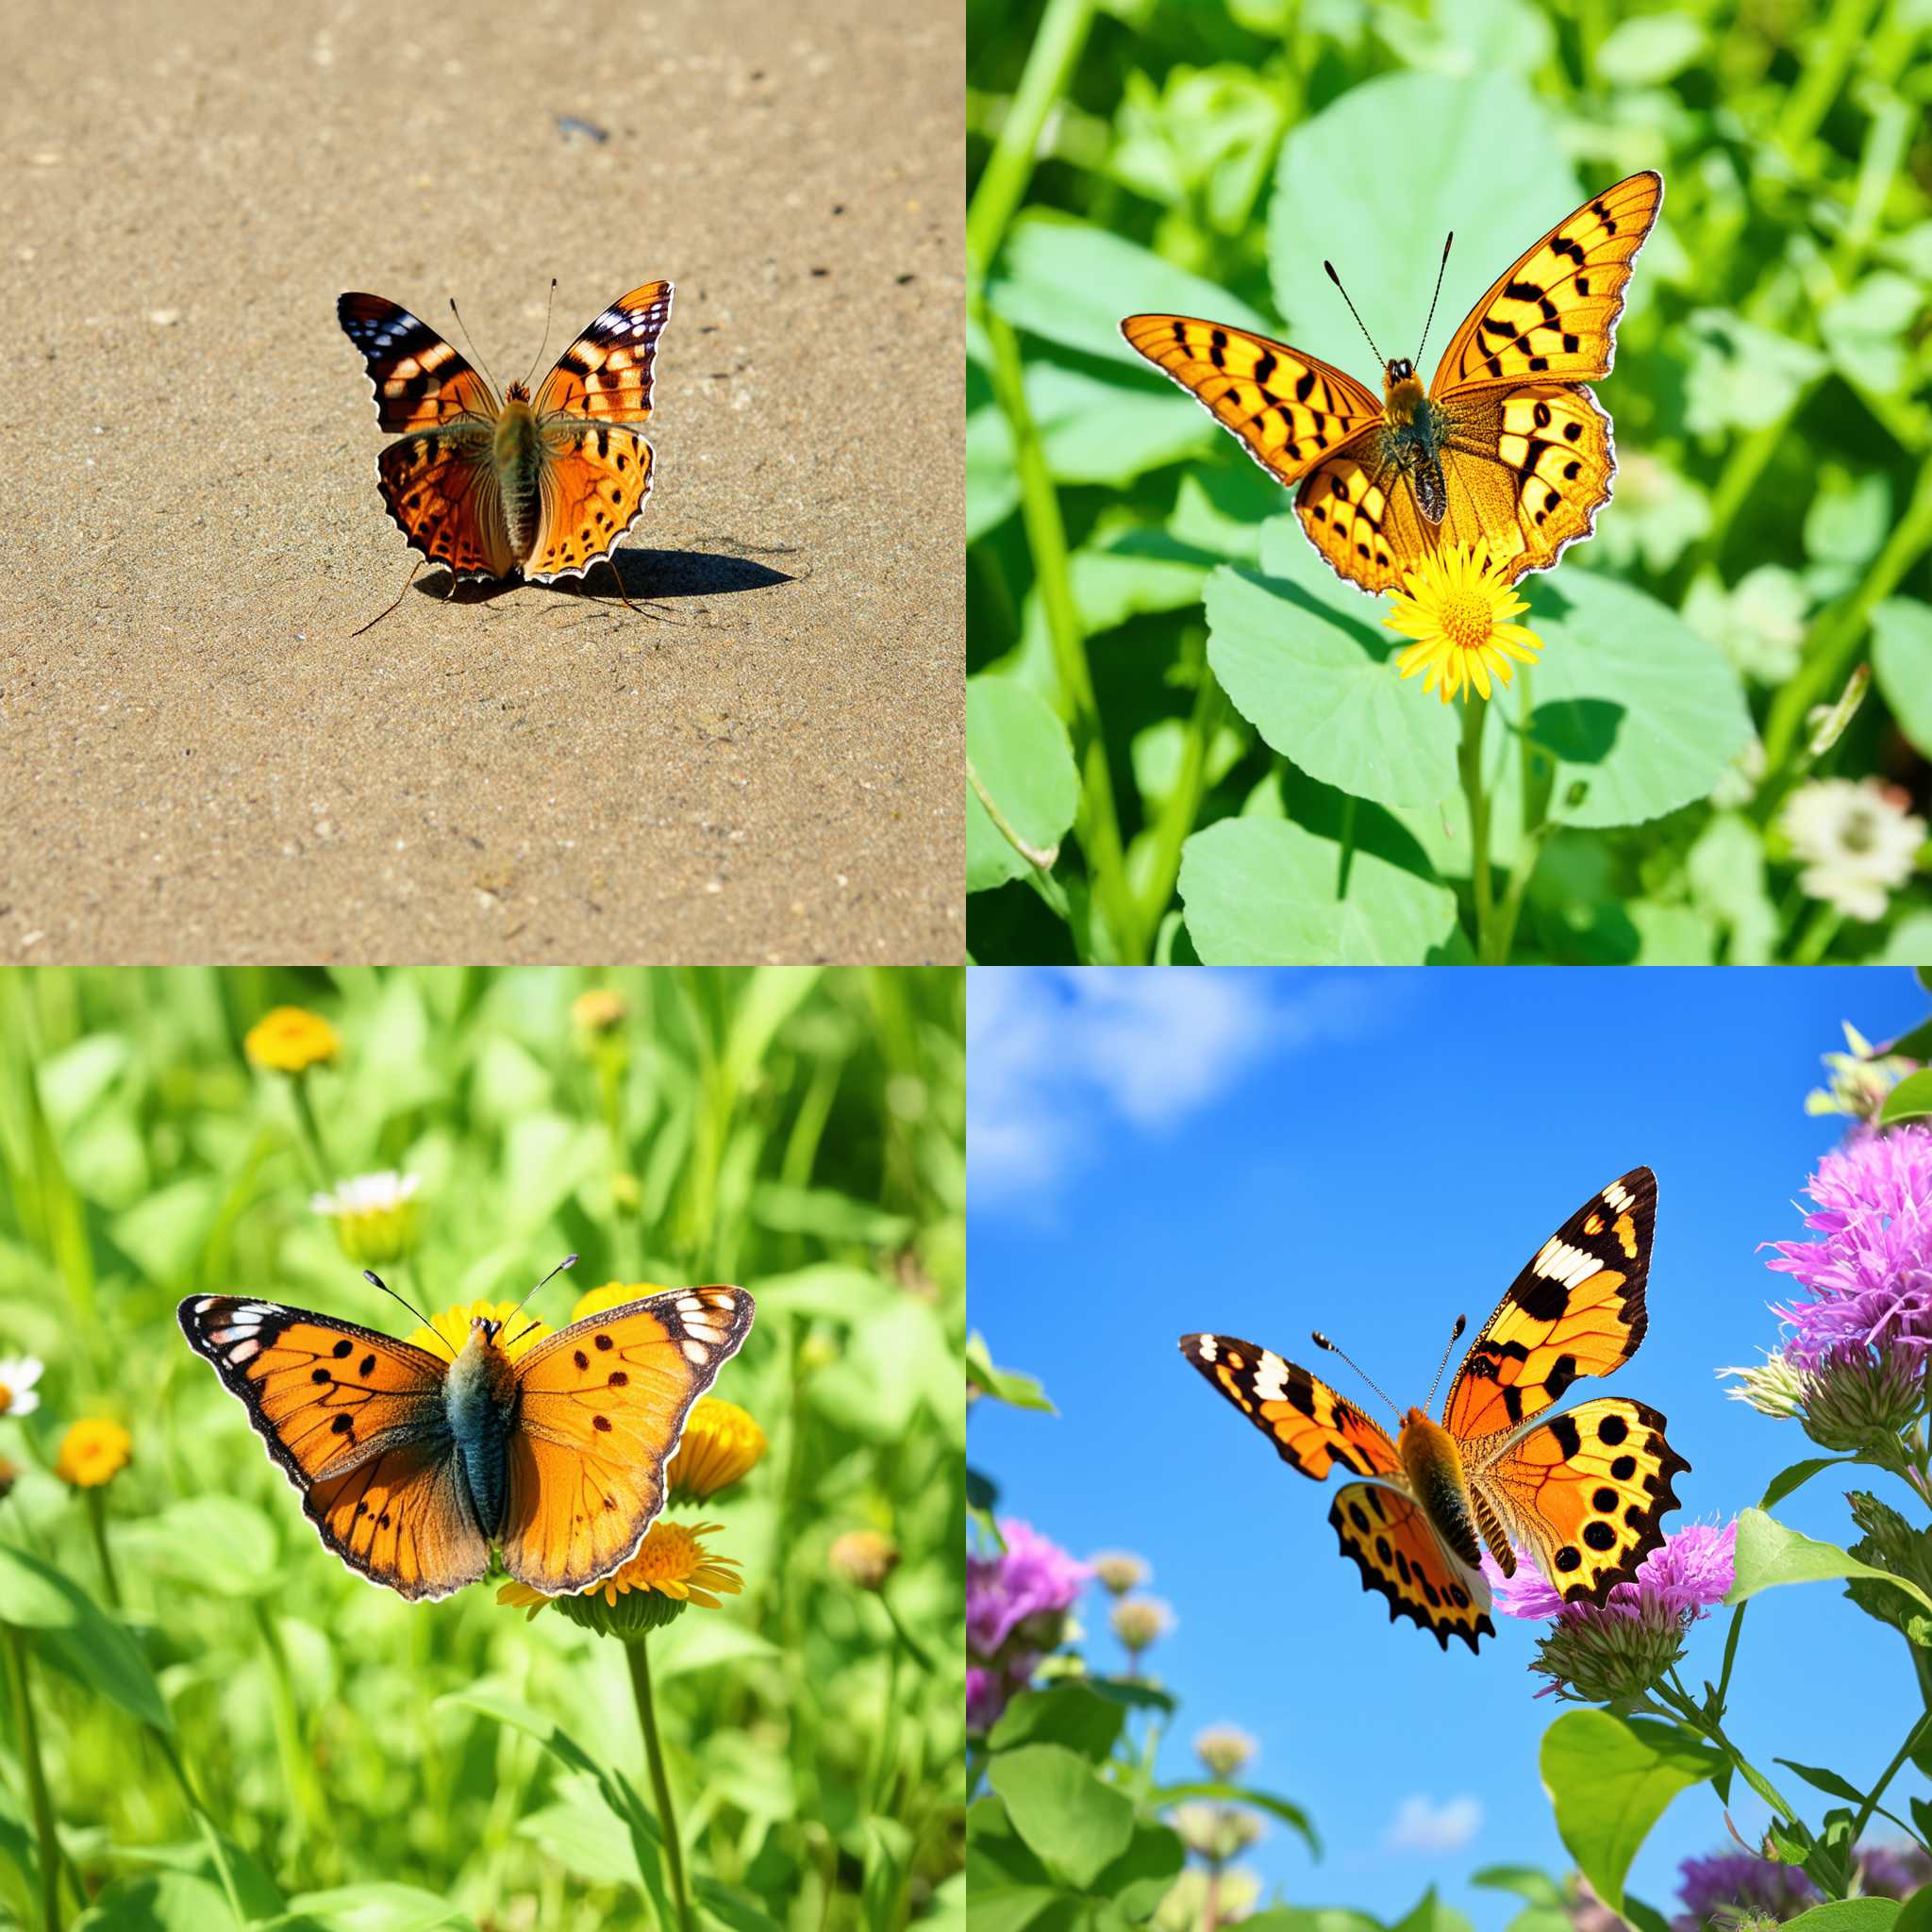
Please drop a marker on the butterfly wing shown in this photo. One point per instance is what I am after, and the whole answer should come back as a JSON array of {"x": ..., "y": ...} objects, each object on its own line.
[
  {"x": 1576, "y": 1310},
  {"x": 357, "y": 1422},
  {"x": 601, "y": 1405},
  {"x": 591, "y": 483},
  {"x": 605, "y": 375},
  {"x": 1288, "y": 408},
  {"x": 1588, "y": 1492},
  {"x": 419, "y": 381},
  {"x": 1388, "y": 1539},
  {"x": 444, "y": 494},
  {"x": 1359, "y": 512},
  {"x": 1554, "y": 314},
  {"x": 1311, "y": 1426}
]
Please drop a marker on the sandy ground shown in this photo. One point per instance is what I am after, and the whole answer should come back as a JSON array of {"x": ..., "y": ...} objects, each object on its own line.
[{"x": 197, "y": 762}]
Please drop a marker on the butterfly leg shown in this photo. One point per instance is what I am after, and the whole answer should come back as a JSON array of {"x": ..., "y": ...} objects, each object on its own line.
[
  {"x": 617, "y": 578},
  {"x": 400, "y": 596}
]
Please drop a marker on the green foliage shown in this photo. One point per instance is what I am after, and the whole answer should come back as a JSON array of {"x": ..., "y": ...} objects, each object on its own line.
[
  {"x": 232, "y": 1728},
  {"x": 1135, "y": 578}
]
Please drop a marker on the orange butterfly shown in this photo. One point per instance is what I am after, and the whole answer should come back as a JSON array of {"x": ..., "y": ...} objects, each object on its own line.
[
  {"x": 412, "y": 1467},
  {"x": 540, "y": 489},
  {"x": 1585, "y": 1492}
]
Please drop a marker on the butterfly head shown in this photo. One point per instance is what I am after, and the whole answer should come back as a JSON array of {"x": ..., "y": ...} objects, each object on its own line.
[
  {"x": 519, "y": 393},
  {"x": 1401, "y": 390}
]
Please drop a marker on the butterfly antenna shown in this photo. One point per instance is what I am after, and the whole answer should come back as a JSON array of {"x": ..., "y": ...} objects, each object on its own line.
[
  {"x": 1425, "y": 330},
  {"x": 1364, "y": 327},
  {"x": 549, "y": 307},
  {"x": 379, "y": 1282},
  {"x": 1321, "y": 1340},
  {"x": 568, "y": 1261},
  {"x": 1455, "y": 1336},
  {"x": 470, "y": 345}
]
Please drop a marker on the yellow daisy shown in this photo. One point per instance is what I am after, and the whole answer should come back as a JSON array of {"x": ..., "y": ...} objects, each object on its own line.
[
  {"x": 599, "y": 1011},
  {"x": 450, "y": 1329},
  {"x": 93, "y": 1452},
  {"x": 290, "y": 1040},
  {"x": 671, "y": 1560},
  {"x": 722, "y": 1445},
  {"x": 1456, "y": 613},
  {"x": 614, "y": 1294}
]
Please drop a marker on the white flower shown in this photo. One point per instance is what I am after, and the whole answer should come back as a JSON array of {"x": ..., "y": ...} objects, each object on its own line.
[
  {"x": 17, "y": 1379},
  {"x": 367, "y": 1194},
  {"x": 1858, "y": 840}
]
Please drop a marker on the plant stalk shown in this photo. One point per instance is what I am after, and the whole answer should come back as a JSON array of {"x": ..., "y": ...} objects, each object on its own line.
[
  {"x": 46, "y": 1840},
  {"x": 638, "y": 1659}
]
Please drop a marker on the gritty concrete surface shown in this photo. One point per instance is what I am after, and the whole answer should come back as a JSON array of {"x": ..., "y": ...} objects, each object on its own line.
[{"x": 198, "y": 761}]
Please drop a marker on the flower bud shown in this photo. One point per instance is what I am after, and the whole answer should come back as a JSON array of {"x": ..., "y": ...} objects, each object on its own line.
[
  {"x": 1225, "y": 1749},
  {"x": 1120, "y": 1570},
  {"x": 1610, "y": 1652},
  {"x": 863, "y": 1558}
]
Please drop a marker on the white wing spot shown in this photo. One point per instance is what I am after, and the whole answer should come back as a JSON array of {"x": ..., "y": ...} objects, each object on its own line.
[
  {"x": 1270, "y": 1377},
  {"x": 696, "y": 1351},
  {"x": 1204, "y": 1346},
  {"x": 1559, "y": 1261}
]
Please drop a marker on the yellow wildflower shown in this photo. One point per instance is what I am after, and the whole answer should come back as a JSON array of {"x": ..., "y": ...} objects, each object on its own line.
[
  {"x": 599, "y": 1011},
  {"x": 290, "y": 1040},
  {"x": 722, "y": 1445},
  {"x": 93, "y": 1452},
  {"x": 1455, "y": 612},
  {"x": 614, "y": 1294},
  {"x": 449, "y": 1330},
  {"x": 672, "y": 1563}
]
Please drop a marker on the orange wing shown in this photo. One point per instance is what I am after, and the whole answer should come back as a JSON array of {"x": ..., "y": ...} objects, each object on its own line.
[
  {"x": 592, "y": 482},
  {"x": 605, "y": 373},
  {"x": 601, "y": 1405},
  {"x": 357, "y": 1422},
  {"x": 1390, "y": 1542},
  {"x": 1576, "y": 1309},
  {"x": 441, "y": 493},
  {"x": 1311, "y": 1426},
  {"x": 1554, "y": 314},
  {"x": 419, "y": 381}
]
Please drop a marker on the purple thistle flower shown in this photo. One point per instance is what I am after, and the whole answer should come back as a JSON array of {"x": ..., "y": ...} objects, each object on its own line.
[
  {"x": 1870, "y": 1278},
  {"x": 1735, "y": 1879},
  {"x": 1032, "y": 1581},
  {"x": 1892, "y": 1871},
  {"x": 1685, "y": 1576}
]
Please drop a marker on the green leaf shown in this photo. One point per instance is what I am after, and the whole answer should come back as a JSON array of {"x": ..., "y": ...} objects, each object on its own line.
[
  {"x": 1311, "y": 1919},
  {"x": 1134, "y": 1695},
  {"x": 217, "y": 1543},
  {"x": 1915, "y": 1915},
  {"x": 1073, "y": 1714},
  {"x": 1009, "y": 1885},
  {"x": 1262, "y": 893},
  {"x": 1651, "y": 48},
  {"x": 1003, "y": 1384},
  {"x": 1221, "y": 1791},
  {"x": 158, "y": 1901},
  {"x": 1429, "y": 1914},
  {"x": 1850, "y": 1915},
  {"x": 1143, "y": 1876},
  {"x": 1074, "y": 1824},
  {"x": 1527, "y": 1881},
  {"x": 1305, "y": 660},
  {"x": 380, "y": 1908},
  {"x": 1828, "y": 1782},
  {"x": 1769, "y": 1555},
  {"x": 733, "y": 1907},
  {"x": 1022, "y": 758},
  {"x": 253, "y": 1886},
  {"x": 1902, "y": 662},
  {"x": 1910, "y": 1100},
  {"x": 1610, "y": 1779},
  {"x": 1645, "y": 1917},
  {"x": 69, "y": 1632},
  {"x": 1865, "y": 330},
  {"x": 166, "y": 1232},
  {"x": 1785, "y": 1480}
]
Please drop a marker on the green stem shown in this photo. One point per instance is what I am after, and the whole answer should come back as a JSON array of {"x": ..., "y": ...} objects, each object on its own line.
[
  {"x": 312, "y": 1143},
  {"x": 1097, "y": 821},
  {"x": 1469, "y": 763},
  {"x": 97, "y": 1520},
  {"x": 46, "y": 1838},
  {"x": 1823, "y": 73},
  {"x": 1183, "y": 803},
  {"x": 217, "y": 1847},
  {"x": 914, "y": 1649},
  {"x": 634, "y": 1650},
  {"x": 1050, "y": 64},
  {"x": 1820, "y": 930},
  {"x": 1886, "y": 1776},
  {"x": 299, "y": 1775},
  {"x": 1724, "y": 1681}
]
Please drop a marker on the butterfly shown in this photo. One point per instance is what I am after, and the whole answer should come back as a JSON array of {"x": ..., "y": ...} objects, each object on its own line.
[
  {"x": 1585, "y": 1492},
  {"x": 1506, "y": 445},
  {"x": 541, "y": 488},
  {"x": 412, "y": 1466}
]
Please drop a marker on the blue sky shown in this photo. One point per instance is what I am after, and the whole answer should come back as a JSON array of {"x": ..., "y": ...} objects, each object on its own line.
[{"x": 1373, "y": 1154}]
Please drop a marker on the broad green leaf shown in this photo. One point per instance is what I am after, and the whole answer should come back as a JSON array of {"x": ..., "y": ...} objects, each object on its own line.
[
  {"x": 1219, "y": 1791},
  {"x": 1020, "y": 757},
  {"x": 1307, "y": 661},
  {"x": 72, "y": 1080},
  {"x": 1074, "y": 284},
  {"x": 167, "y": 1231},
  {"x": 1003, "y": 1384},
  {"x": 1610, "y": 1779},
  {"x": 380, "y": 1908},
  {"x": 1910, "y": 1100},
  {"x": 70, "y": 1633},
  {"x": 1799, "y": 1473},
  {"x": 1070, "y": 1714},
  {"x": 253, "y": 1886},
  {"x": 1429, "y": 1914},
  {"x": 1866, "y": 331},
  {"x": 158, "y": 1901},
  {"x": 1009, "y": 1887},
  {"x": 1851, "y": 1915},
  {"x": 1476, "y": 156},
  {"x": 1102, "y": 427},
  {"x": 1527, "y": 1881},
  {"x": 1076, "y": 1825},
  {"x": 1902, "y": 662},
  {"x": 1140, "y": 1877},
  {"x": 1743, "y": 376},
  {"x": 1262, "y": 893},
  {"x": 1826, "y": 1781},
  {"x": 992, "y": 486},
  {"x": 1643, "y": 51},
  {"x": 734, "y": 1908},
  {"x": 1768, "y": 1554},
  {"x": 1915, "y": 1915}
]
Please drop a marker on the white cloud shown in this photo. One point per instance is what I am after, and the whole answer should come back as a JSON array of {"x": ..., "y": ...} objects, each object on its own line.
[
  {"x": 1421, "y": 1825},
  {"x": 1055, "y": 1057}
]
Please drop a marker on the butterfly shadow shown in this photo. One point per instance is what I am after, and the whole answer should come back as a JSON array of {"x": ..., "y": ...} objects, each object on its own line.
[{"x": 648, "y": 576}]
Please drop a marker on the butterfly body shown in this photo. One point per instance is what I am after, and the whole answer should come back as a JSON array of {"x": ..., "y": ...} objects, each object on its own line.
[
  {"x": 538, "y": 485},
  {"x": 1506, "y": 447},
  {"x": 413, "y": 1465},
  {"x": 1584, "y": 1493}
]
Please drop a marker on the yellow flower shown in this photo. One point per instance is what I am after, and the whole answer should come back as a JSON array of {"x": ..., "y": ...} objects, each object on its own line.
[
  {"x": 671, "y": 1561},
  {"x": 721, "y": 1444},
  {"x": 93, "y": 1452},
  {"x": 599, "y": 1011},
  {"x": 614, "y": 1294},
  {"x": 290, "y": 1040},
  {"x": 451, "y": 1329},
  {"x": 863, "y": 1558},
  {"x": 1455, "y": 611}
]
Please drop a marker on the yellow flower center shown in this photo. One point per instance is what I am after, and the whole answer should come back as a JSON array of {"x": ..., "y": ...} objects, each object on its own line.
[
  {"x": 669, "y": 1554},
  {"x": 6, "y": 1398},
  {"x": 1467, "y": 619}
]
